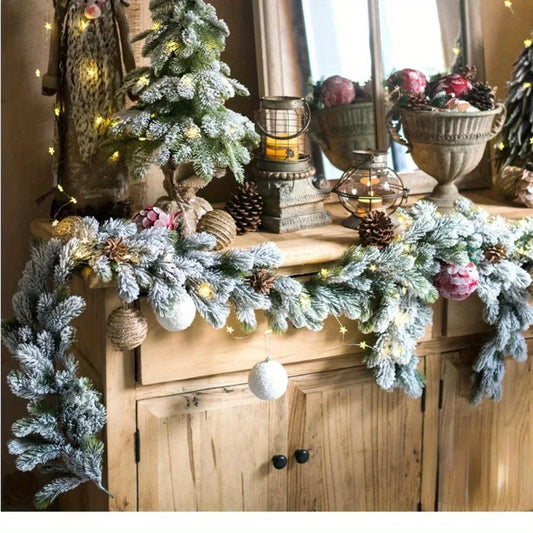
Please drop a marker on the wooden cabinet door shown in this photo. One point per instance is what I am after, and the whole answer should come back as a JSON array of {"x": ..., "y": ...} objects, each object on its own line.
[
  {"x": 485, "y": 452},
  {"x": 365, "y": 444},
  {"x": 211, "y": 451}
]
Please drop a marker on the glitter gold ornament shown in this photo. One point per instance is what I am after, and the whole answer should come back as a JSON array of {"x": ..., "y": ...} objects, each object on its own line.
[{"x": 68, "y": 228}]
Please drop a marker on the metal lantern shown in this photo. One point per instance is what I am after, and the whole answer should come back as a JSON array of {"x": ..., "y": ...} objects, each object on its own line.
[
  {"x": 283, "y": 122},
  {"x": 369, "y": 185},
  {"x": 283, "y": 170}
]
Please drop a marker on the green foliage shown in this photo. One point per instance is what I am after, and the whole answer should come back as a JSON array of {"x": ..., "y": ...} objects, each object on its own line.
[
  {"x": 179, "y": 115},
  {"x": 516, "y": 142},
  {"x": 389, "y": 293}
]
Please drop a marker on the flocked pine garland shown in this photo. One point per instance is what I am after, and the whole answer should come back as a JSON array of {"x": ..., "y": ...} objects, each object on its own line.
[{"x": 389, "y": 292}]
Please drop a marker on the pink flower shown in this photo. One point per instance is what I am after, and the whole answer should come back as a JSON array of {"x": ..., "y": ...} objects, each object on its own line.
[
  {"x": 456, "y": 283},
  {"x": 453, "y": 84},
  {"x": 154, "y": 217},
  {"x": 337, "y": 90}
]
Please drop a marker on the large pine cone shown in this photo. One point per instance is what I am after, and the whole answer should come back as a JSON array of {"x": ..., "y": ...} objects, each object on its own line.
[
  {"x": 481, "y": 96},
  {"x": 376, "y": 229},
  {"x": 417, "y": 101},
  {"x": 262, "y": 281},
  {"x": 246, "y": 207},
  {"x": 524, "y": 188}
]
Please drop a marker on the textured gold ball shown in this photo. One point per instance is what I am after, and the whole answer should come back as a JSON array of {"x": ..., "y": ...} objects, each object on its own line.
[
  {"x": 68, "y": 228},
  {"x": 219, "y": 224},
  {"x": 506, "y": 182},
  {"x": 126, "y": 328}
]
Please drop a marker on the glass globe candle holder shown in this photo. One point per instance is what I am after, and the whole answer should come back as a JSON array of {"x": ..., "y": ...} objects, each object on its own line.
[
  {"x": 369, "y": 185},
  {"x": 283, "y": 122}
]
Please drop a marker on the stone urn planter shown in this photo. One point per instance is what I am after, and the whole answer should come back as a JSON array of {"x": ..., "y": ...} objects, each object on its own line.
[
  {"x": 445, "y": 145},
  {"x": 342, "y": 129}
]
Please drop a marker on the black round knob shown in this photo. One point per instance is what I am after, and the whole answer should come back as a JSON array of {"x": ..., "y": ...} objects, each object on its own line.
[
  {"x": 301, "y": 456},
  {"x": 279, "y": 461}
]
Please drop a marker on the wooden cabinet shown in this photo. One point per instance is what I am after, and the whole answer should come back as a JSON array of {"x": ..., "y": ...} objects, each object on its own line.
[
  {"x": 485, "y": 452},
  {"x": 212, "y": 450},
  {"x": 184, "y": 432}
]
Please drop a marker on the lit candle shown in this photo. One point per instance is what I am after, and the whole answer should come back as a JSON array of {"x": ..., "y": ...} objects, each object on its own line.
[
  {"x": 365, "y": 204},
  {"x": 283, "y": 149},
  {"x": 369, "y": 181}
]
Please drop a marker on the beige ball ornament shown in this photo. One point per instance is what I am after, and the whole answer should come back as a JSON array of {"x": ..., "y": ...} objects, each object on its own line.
[
  {"x": 219, "y": 224},
  {"x": 182, "y": 315},
  {"x": 126, "y": 328},
  {"x": 268, "y": 380}
]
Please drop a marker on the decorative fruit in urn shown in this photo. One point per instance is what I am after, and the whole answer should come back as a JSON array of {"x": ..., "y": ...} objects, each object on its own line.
[
  {"x": 337, "y": 90},
  {"x": 409, "y": 80},
  {"x": 452, "y": 84}
]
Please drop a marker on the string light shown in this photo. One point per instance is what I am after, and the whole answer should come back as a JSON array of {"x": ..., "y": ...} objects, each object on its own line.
[
  {"x": 60, "y": 187},
  {"x": 229, "y": 330},
  {"x": 172, "y": 46},
  {"x": 531, "y": 140},
  {"x": 51, "y": 150},
  {"x": 508, "y": 4},
  {"x": 501, "y": 146},
  {"x": 115, "y": 156},
  {"x": 324, "y": 273},
  {"x": 98, "y": 120},
  {"x": 192, "y": 132},
  {"x": 363, "y": 345},
  {"x": 343, "y": 330},
  {"x": 55, "y": 222},
  {"x": 83, "y": 25},
  {"x": 206, "y": 291},
  {"x": 528, "y": 42},
  {"x": 38, "y": 73},
  {"x": 456, "y": 50},
  {"x": 144, "y": 80},
  {"x": 305, "y": 301},
  {"x": 57, "y": 111},
  {"x": 47, "y": 26},
  {"x": 156, "y": 26},
  {"x": 73, "y": 200},
  {"x": 372, "y": 268},
  {"x": 527, "y": 85}
]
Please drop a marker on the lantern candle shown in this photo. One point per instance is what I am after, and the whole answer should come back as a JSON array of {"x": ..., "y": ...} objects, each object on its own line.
[
  {"x": 367, "y": 204},
  {"x": 370, "y": 181},
  {"x": 283, "y": 149}
]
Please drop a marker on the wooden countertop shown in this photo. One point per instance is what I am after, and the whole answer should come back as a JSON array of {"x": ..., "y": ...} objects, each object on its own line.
[{"x": 309, "y": 250}]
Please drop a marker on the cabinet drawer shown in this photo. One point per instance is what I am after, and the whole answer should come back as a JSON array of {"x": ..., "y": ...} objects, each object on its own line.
[{"x": 202, "y": 350}]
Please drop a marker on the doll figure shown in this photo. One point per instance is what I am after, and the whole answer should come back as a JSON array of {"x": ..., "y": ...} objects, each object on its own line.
[{"x": 88, "y": 50}]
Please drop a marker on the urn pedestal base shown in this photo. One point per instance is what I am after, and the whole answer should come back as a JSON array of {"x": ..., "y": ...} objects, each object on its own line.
[{"x": 291, "y": 204}]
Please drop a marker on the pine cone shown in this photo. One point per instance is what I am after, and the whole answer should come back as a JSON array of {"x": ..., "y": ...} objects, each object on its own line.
[
  {"x": 481, "y": 95},
  {"x": 246, "y": 207},
  {"x": 262, "y": 281},
  {"x": 468, "y": 71},
  {"x": 494, "y": 254},
  {"x": 116, "y": 249},
  {"x": 524, "y": 188},
  {"x": 417, "y": 101},
  {"x": 376, "y": 229}
]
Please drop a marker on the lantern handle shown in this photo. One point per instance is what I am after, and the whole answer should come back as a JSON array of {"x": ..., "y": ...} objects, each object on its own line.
[
  {"x": 307, "y": 115},
  {"x": 393, "y": 125}
]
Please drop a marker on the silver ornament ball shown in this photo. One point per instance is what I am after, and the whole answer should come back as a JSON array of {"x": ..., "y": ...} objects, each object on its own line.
[
  {"x": 268, "y": 380},
  {"x": 182, "y": 315}
]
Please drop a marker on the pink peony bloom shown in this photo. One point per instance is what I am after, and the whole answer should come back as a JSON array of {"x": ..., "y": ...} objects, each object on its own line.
[
  {"x": 456, "y": 283},
  {"x": 154, "y": 217}
]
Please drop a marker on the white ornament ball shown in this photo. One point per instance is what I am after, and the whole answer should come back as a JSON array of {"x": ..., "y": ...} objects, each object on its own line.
[
  {"x": 268, "y": 380},
  {"x": 182, "y": 315}
]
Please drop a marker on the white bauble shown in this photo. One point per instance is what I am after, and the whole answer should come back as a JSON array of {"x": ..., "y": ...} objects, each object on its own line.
[
  {"x": 268, "y": 380},
  {"x": 182, "y": 315}
]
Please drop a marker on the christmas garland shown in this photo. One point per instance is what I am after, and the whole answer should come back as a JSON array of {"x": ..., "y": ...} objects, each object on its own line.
[{"x": 389, "y": 291}]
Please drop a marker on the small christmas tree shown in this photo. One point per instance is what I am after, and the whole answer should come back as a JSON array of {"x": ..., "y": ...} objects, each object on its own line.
[
  {"x": 516, "y": 146},
  {"x": 179, "y": 121}
]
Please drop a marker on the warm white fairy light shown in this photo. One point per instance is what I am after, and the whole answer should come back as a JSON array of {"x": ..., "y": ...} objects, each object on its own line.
[
  {"x": 84, "y": 24},
  {"x": 528, "y": 42},
  {"x": 115, "y": 156},
  {"x": 47, "y": 26},
  {"x": 37, "y": 73},
  {"x": 51, "y": 150}
]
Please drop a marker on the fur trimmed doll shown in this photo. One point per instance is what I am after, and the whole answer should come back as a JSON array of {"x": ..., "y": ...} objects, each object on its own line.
[{"x": 89, "y": 50}]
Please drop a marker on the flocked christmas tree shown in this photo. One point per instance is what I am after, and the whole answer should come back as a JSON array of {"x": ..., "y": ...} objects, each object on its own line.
[
  {"x": 179, "y": 121},
  {"x": 516, "y": 146}
]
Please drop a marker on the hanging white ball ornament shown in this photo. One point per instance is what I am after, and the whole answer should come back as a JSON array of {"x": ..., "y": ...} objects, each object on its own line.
[
  {"x": 182, "y": 315},
  {"x": 268, "y": 380}
]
